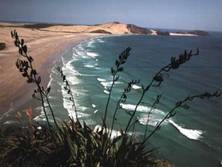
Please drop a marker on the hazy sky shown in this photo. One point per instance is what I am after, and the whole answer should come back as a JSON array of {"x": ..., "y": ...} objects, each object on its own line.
[{"x": 177, "y": 14}]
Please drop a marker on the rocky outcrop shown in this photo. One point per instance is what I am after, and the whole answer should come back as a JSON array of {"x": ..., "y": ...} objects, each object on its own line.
[{"x": 137, "y": 30}]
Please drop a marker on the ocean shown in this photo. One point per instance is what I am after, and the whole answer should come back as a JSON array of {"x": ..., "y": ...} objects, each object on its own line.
[{"x": 193, "y": 137}]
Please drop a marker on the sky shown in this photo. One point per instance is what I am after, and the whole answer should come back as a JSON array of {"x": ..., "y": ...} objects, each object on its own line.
[{"x": 170, "y": 14}]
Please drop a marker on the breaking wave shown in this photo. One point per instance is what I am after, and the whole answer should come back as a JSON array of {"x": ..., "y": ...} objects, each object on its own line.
[
  {"x": 189, "y": 133},
  {"x": 156, "y": 116}
]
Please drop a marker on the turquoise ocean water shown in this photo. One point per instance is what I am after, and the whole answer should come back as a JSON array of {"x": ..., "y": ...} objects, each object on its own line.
[{"x": 194, "y": 136}]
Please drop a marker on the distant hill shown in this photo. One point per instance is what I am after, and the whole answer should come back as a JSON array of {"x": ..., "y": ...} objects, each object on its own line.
[{"x": 115, "y": 28}]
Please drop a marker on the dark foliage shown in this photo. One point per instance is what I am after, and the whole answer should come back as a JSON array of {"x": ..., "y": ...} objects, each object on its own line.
[{"x": 2, "y": 45}]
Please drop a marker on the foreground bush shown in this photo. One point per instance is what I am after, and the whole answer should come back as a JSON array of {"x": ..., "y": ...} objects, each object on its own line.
[{"x": 75, "y": 145}]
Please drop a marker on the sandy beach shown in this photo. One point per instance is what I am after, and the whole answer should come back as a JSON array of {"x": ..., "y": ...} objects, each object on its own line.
[{"x": 44, "y": 46}]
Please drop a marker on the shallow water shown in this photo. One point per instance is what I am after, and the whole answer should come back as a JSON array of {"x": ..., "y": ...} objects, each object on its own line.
[{"x": 191, "y": 138}]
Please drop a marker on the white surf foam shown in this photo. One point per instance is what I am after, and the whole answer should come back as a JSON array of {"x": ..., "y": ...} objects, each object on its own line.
[
  {"x": 101, "y": 79},
  {"x": 114, "y": 133},
  {"x": 79, "y": 52},
  {"x": 189, "y": 133},
  {"x": 90, "y": 44},
  {"x": 71, "y": 77},
  {"x": 106, "y": 92},
  {"x": 100, "y": 40},
  {"x": 106, "y": 84},
  {"x": 152, "y": 119},
  {"x": 140, "y": 108},
  {"x": 156, "y": 116},
  {"x": 89, "y": 66},
  {"x": 136, "y": 87},
  {"x": 92, "y": 54},
  {"x": 68, "y": 105},
  {"x": 182, "y": 34},
  {"x": 50, "y": 81},
  {"x": 71, "y": 73}
]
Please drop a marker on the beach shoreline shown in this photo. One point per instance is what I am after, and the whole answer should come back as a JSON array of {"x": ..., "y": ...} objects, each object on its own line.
[
  {"x": 45, "y": 44},
  {"x": 45, "y": 48}
]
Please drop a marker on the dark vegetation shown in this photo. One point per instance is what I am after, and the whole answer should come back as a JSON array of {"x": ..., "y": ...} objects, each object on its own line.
[
  {"x": 101, "y": 31},
  {"x": 195, "y": 32},
  {"x": 38, "y": 25},
  {"x": 137, "y": 30},
  {"x": 165, "y": 33},
  {"x": 2, "y": 45},
  {"x": 74, "y": 143},
  {"x": 34, "y": 25},
  {"x": 199, "y": 32}
]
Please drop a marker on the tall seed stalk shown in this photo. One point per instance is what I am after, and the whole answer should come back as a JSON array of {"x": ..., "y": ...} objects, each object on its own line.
[
  {"x": 158, "y": 78},
  {"x": 25, "y": 66}
]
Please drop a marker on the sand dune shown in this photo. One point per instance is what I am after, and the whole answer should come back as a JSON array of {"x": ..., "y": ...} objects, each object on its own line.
[{"x": 112, "y": 27}]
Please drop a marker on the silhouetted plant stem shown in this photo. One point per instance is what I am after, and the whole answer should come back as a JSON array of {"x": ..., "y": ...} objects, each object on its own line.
[
  {"x": 142, "y": 96},
  {"x": 53, "y": 116},
  {"x": 148, "y": 116},
  {"x": 74, "y": 106},
  {"x": 41, "y": 94},
  {"x": 117, "y": 67},
  {"x": 27, "y": 70},
  {"x": 173, "y": 112},
  {"x": 43, "y": 107},
  {"x": 69, "y": 91},
  {"x": 114, "y": 71},
  {"x": 104, "y": 140},
  {"x": 108, "y": 101},
  {"x": 115, "y": 112},
  {"x": 122, "y": 99},
  {"x": 132, "y": 116},
  {"x": 40, "y": 90},
  {"x": 158, "y": 77}
]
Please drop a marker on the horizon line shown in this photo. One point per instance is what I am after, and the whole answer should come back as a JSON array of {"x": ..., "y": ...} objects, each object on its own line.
[{"x": 60, "y": 23}]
